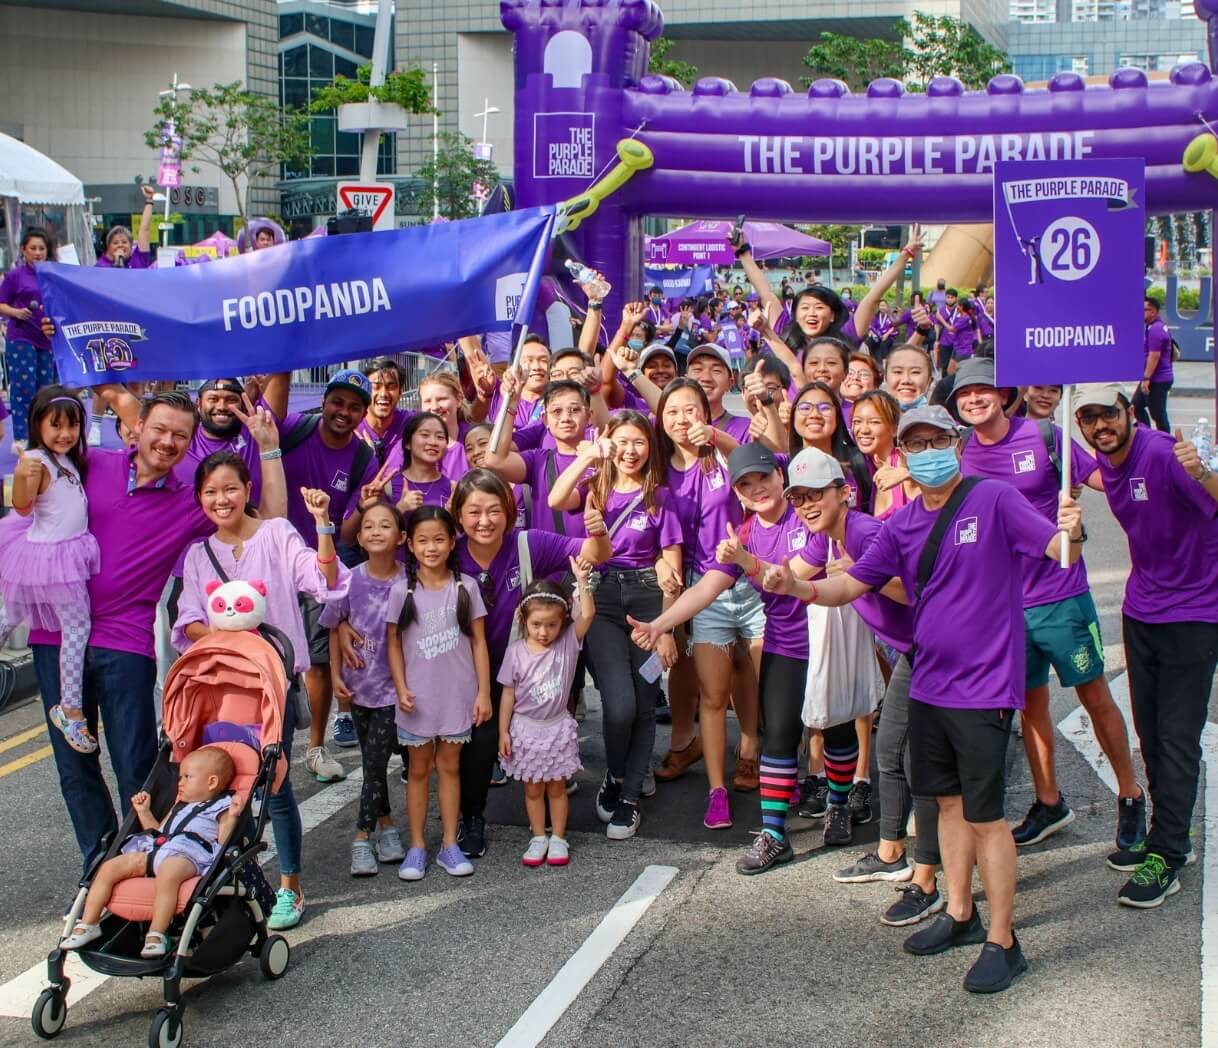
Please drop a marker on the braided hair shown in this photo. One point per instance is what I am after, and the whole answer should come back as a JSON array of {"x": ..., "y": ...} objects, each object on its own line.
[{"x": 409, "y": 611}]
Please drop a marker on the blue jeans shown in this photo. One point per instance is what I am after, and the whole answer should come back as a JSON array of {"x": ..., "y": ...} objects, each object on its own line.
[
  {"x": 118, "y": 685},
  {"x": 283, "y": 810},
  {"x": 29, "y": 369}
]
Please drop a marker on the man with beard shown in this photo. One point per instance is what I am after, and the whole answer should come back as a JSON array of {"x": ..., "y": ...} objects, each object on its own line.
[{"x": 1166, "y": 500}]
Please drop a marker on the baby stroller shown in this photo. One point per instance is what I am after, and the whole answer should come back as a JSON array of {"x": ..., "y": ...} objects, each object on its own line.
[{"x": 227, "y": 690}]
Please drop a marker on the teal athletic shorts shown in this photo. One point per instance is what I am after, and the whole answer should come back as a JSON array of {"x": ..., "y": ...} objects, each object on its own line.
[{"x": 1065, "y": 635}]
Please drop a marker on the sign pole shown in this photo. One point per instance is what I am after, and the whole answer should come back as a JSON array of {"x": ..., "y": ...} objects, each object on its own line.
[
  {"x": 1067, "y": 447},
  {"x": 501, "y": 418}
]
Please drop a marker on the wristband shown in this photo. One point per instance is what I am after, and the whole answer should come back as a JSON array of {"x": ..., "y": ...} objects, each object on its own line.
[
  {"x": 714, "y": 440},
  {"x": 743, "y": 249},
  {"x": 811, "y": 599},
  {"x": 274, "y": 453},
  {"x": 1200, "y": 478},
  {"x": 325, "y": 529},
  {"x": 757, "y": 571},
  {"x": 633, "y": 376},
  {"x": 22, "y": 509},
  {"x": 327, "y": 560},
  {"x": 596, "y": 305}
]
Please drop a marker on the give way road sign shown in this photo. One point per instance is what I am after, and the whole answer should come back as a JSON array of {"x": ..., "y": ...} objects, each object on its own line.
[{"x": 372, "y": 198}]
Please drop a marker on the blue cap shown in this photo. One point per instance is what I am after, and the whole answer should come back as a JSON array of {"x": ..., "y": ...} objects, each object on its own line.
[{"x": 354, "y": 381}]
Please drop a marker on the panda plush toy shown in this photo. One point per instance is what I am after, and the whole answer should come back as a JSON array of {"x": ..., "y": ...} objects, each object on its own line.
[{"x": 236, "y": 605}]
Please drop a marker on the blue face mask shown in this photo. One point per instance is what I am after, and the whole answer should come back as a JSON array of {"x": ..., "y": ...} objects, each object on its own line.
[
  {"x": 919, "y": 403},
  {"x": 635, "y": 344},
  {"x": 933, "y": 468}
]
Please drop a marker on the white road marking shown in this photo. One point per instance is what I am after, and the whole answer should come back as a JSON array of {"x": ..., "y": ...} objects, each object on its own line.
[
  {"x": 17, "y": 996},
  {"x": 1076, "y": 727},
  {"x": 572, "y": 977}
]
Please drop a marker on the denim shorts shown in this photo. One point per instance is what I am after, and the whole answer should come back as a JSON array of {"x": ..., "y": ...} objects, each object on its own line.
[
  {"x": 737, "y": 612},
  {"x": 407, "y": 738}
]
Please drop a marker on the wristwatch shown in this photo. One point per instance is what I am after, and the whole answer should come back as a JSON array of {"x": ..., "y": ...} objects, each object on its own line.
[
  {"x": 1082, "y": 536},
  {"x": 632, "y": 376},
  {"x": 1204, "y": 475}
]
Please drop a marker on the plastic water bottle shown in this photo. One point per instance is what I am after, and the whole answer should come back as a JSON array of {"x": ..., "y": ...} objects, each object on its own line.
[
  {"x": 596, "y": 285},
  {"x": 1202, "y": 440}
]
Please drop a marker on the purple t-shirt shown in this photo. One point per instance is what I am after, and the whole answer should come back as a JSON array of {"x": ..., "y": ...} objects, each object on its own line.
[
  {"x": 435, "y": 492},
  {"x": 1158, "y": 340},
  {"x": 542, "y": 679},
  {"x": 985, "y": 323},
  {"x": 141, "y": 533},
  {"x": 439, "y": 658},
  {"x": 20, "y": 289},
  {"x": 278, "y": 557},
  {"x": 136, "y": 260},
  {"x": 786, "y": 618},
  {"x": 735, "y": 426},
  {"x": 364, "y": 607},
  {"x": 392, "y": 438},
  {"x": 888, "y": 620},
  {"x": 637, "y": 541},
  {"x": 526, "y": 410},
  {"x": 1021, "y": 460},
  {"x": 548, "y": 554},
  {"x": 203, "y": 444},
  {"x": 539, "y": 465},
  {"x": 706, "y": 505},
  {"x": 976, "y": 579},
  {"x": 965, "y": 335},
  {"x": 947, "y": 331},
  {"x": 1171, "y": 524},
  {"x": 313, "y": 464}
]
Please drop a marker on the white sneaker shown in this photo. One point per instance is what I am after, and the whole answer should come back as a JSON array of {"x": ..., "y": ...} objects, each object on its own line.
[
  {"x": 558, "y": 853},
  {"x": 94, "y": 437},
  {"x": 535, "y": 853},
  {"x": 323, "y": 766}
]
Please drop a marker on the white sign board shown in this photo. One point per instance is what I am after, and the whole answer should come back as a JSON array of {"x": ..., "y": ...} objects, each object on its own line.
[{"x": 374, "y": 199}]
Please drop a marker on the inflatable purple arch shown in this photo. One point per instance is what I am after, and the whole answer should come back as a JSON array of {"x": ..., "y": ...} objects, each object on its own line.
[{"x": 826, "y": 155}]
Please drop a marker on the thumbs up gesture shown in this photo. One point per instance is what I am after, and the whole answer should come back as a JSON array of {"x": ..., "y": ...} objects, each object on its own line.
[
  {"x": 778, "y": 578},
  {"x": 1186, "y": 455},
  {"x": 730, "y": 550}
]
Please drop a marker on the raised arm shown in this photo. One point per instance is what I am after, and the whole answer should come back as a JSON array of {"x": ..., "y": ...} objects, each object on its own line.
[
  {"x": 870, "y": 304},
  {"x": 143, "y": 238},
  {"x": 501, "y": 458},
  {"x": 769, "y": 302}
]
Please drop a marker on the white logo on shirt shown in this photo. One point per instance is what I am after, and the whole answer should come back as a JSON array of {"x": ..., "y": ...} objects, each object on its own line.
[
  {"x": 638, "y": 522},
  {"x": 339, "y": 483},
  {"x": 1024, "y": 461},
  {"x": 715, "y": 481},
  {"x": 966, "y": 531},
  {"x": 796, "y": 540},
  {"x": 514, "y": 579},
  {"x": 1137, "y": 489},
  {"x": 240, "y": 443}
]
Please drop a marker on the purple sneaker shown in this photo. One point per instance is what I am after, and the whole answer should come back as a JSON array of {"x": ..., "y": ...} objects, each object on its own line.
[
  {"x": 718, "y": 813},
  {"x": 451, "y": 859},
  {"x": 77, "y": 732},
  {"x": 414, "y": 865}
]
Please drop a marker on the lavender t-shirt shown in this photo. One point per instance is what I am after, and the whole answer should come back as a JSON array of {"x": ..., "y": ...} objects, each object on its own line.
[
  {"x": 888, "y": 620},
  {"x": 439, "y": 658},
  {"x": 314, "y": 464},
  {"x": 20, "y": 289},
  {"x": 542, "y": 679},
  {"x": 706, "y": 505},
  {"x": 1171, "y": 524},
  {"x": 977, "y": 580},
  {"x": 548, "y": 554},
  {"x": 364, "y": 607},
  {"x": 1021, "y": 460},
  {"x": 638, "y": 540}
]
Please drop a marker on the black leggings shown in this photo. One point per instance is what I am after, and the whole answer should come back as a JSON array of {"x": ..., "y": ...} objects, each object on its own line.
[
  {"x": 781, "y": 687},
  {"x": 378, "y": 738},
  {"x": 478, "y": 755}
]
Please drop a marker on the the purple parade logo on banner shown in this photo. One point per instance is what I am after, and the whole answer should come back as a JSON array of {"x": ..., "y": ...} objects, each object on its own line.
[
  {"x": 564, "y": 145},
  {"x": 1068, "y": 246}
]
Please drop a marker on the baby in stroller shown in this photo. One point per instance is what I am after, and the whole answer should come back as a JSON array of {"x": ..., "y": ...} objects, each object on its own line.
[{"x": 181, "y": 846}]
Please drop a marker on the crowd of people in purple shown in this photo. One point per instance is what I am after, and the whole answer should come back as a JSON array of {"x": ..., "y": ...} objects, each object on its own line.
[{"x": 866, "y": 567}]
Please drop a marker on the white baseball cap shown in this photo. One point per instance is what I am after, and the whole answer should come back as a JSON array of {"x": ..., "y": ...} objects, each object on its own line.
[
  {"x": 719, "y": 352},
  {"x": 812, "y": 468},
  {"x": 1097, "y": 394}
]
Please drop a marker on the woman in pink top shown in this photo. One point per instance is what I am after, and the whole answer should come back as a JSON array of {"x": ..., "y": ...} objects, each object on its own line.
[{"x": 246, "y": 547}]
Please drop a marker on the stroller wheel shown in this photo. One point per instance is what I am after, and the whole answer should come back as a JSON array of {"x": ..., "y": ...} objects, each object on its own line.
[
  {"x": 166, "y": 1029},
  {"x": 49, "y": 1014},
  {"x": 274, "y": 956}
]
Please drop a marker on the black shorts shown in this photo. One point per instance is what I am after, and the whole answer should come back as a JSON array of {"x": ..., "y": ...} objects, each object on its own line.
[
  {"x": 960, "y": 753},
  {"x": 318, "y": 635}
]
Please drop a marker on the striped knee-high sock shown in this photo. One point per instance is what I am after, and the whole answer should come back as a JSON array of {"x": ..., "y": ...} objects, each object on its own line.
[
  {"x": 778, "y": 779},
  {"x": 840, "y": 763}
]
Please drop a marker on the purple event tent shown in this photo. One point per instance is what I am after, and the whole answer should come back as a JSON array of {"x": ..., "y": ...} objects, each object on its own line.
[{"x": 703, "y": 242}]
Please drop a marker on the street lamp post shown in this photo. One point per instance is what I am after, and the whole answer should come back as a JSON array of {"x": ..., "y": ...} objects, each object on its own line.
[
  {"x": 171, "y": 93},
  {"x": 483, "y": 149}
]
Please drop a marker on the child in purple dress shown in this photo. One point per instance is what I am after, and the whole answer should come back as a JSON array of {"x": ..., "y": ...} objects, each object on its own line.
[
  {"x": 47, "y": 552},
  {"x": 538, "y": 737}
]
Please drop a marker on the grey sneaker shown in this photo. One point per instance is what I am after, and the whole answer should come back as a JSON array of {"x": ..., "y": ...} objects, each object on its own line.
[
  {"x": 363, "y": 861},
  {"x": 389, "y": 846},
  {"x": 872, "y": 868},
  {"x": 324, "y": 767}
]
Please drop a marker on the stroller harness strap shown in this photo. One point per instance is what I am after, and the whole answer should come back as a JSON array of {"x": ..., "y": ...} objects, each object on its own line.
[{"x": 175, "y": 827}]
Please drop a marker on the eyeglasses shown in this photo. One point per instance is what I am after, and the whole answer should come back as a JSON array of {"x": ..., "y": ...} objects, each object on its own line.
[
  {"x": 486, "y": 589},
  {"x": 806, "y": 407},
  {"x": 1088, "y": 419},
  {"x": 859, "y": 373},
  {"x": 940, "y": 442},
  {"x": 806, "y": 497}
]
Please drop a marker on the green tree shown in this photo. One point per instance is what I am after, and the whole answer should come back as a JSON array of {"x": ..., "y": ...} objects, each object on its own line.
[
  {"x": 450, "y": 177},
  {"x": 407, "y": 88},
  {"x": 662, "y": 65},
  {"x": 934, "y": 45},
  {"x": 838, "y": 237},
  {"x": 244, "y": 135}
]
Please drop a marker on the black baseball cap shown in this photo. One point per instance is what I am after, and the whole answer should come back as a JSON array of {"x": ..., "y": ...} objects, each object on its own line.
[{"x": 750, "y": 458}]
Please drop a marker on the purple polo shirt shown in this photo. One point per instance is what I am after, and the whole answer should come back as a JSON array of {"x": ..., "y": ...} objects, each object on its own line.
[
  {"x": 549, "y": 555},
  {"x": 526, "y": 410},
  {"x": 947, "y": 333},
  {"x": 977, "y": 579},
  {"x": 19, "y": 289},
  {"x": 1157, "y": 340},
  {"x": 1171, "y": 524},
  {"x": 313, "y": 464},
  {"x": 964, "y": 335},
  {"x": 137, "y": 260},
  {"x": 141, "y": 535},
  {"x": 1021, "y": 460},
  {"x": 888, "y": 620}
]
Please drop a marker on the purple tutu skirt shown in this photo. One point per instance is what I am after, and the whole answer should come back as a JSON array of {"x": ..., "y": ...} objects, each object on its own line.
[
  {"x": 543, "y": 751},
  {"x": 38, "y": 578}
]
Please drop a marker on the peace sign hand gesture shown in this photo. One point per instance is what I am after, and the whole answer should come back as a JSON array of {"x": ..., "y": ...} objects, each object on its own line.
[
  {"x": 372, "y": 492},
  {"x": 259, "y": 423}
]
